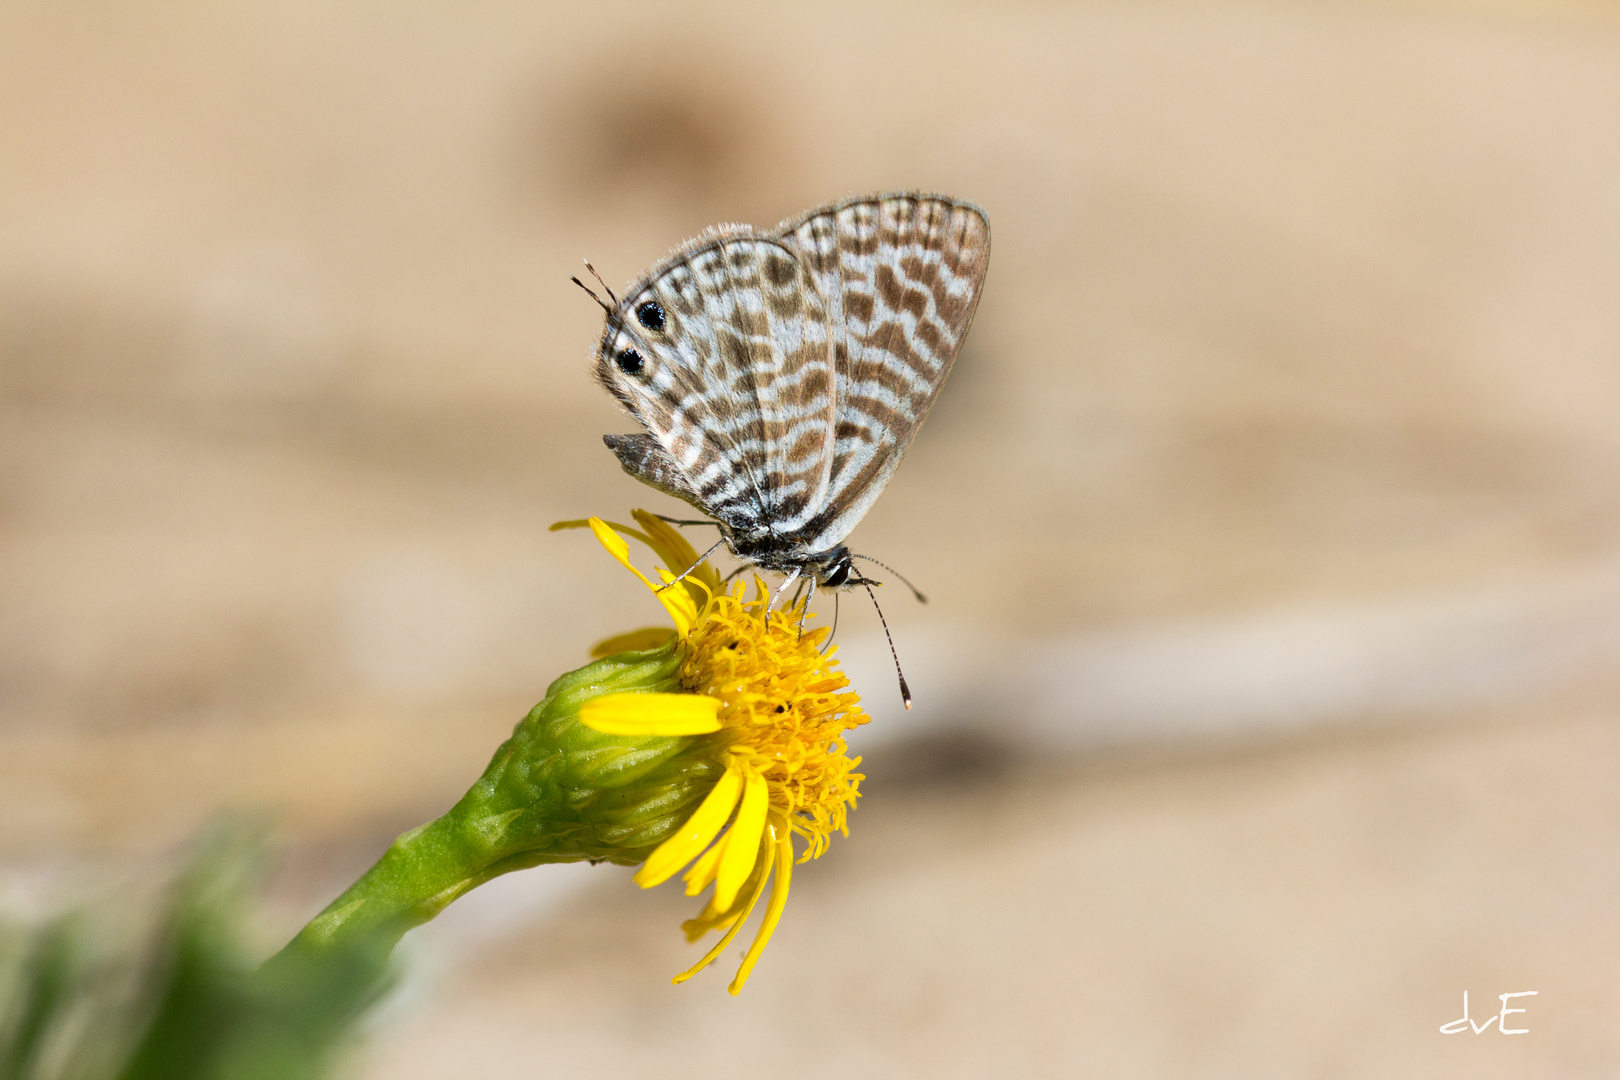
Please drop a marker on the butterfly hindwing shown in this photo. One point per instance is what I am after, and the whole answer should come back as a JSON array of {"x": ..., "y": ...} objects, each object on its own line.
[
  {"x": 900, "y": 277},
  {"x": 723, "y": 353}
]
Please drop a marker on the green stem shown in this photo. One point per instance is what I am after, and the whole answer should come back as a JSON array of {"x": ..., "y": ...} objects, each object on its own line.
[{"x": 416, "y": 878}]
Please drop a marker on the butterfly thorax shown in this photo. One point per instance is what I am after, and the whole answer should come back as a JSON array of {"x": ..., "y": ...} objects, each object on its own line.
[{"x": 830, "y": 569}]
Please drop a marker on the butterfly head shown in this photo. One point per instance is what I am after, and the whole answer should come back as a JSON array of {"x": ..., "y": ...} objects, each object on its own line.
[{"x": 837, "y": 569}]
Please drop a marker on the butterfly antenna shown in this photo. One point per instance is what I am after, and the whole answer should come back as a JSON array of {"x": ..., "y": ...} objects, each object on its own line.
[
  {"x": 921, "y": 599},
  {"x": 905, "y": 691},
  {"x": 600, "y": 302},
  {"x": 602, "y": 283}
]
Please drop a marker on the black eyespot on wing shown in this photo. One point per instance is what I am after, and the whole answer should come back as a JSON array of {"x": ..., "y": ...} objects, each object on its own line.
[
  {"x": 629, "y": 362},
  {"x": 650, "y": 313}
]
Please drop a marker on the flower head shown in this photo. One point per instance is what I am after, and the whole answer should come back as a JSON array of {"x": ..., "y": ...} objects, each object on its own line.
[{"x": 773, "y": 709}]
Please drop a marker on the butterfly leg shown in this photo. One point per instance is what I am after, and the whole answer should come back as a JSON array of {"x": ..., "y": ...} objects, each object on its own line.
[
  {"x": 678, "y": 521},
  {"x": 804, "y": 612},
  {"x": 793, "y": 575},
  {"x": 694, "y": 566}
]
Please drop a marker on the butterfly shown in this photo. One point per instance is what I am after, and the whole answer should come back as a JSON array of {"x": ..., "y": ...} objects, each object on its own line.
[{"x": 780, "y": 376}]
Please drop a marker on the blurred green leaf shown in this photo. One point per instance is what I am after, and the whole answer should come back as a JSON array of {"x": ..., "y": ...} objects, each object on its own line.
[{"x": 101, "y": 995}]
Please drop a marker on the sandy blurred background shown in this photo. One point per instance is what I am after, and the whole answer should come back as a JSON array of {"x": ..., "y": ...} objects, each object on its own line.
[{"x": 1266, "y": 702}]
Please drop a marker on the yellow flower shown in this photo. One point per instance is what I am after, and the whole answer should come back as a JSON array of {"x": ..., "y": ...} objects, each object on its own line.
[{"x": 776, "y": 709}]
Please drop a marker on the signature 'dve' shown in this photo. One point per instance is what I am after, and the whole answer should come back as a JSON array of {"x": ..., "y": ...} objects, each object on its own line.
[{"x": 1457, "y": 1027}]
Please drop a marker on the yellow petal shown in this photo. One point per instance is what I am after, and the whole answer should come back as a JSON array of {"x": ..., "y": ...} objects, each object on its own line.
[
  {"x": 616, "y": 547},
  {"x": 635, "y": 641},
  {"x": 720, "y": 946},
  {"x": 678, "y": 602},
  {"x": 692, "y": 837},
  {"x": 651, "y": 714},
  {"x": 773, "y": 911},
  {"x": 585, "y": 523},
  {"x": 701, "y": 873},
  {"x": 742, "y": 846},
  {"x": 682, "y": 608}
]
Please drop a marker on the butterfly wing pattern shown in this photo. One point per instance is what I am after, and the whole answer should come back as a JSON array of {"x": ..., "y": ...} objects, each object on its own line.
[
  {"x": 781, "y": 376},
  {"x": 722, "y": 354},
  {"x": 901, "y": 276}
]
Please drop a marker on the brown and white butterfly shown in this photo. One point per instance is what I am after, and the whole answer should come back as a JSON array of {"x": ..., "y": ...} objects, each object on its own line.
[{"x": 780, "y": 376}]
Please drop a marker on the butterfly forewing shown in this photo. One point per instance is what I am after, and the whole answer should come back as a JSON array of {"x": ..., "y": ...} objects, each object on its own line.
[
  {"x": 780, "y": 377},
  {"x": 731, "y": 373},
  {"x": 900, "y": 276}
]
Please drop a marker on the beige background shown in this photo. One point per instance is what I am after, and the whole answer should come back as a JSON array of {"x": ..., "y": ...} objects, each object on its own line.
[{"x": 1266, "y": 698}]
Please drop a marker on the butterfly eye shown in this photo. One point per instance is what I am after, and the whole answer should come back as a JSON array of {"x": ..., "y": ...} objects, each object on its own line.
[
  {"x": 650, "y": 315},
  {"x": 629, "y": 361}
]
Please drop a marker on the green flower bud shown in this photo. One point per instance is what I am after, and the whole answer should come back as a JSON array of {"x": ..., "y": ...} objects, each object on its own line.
[{"x": 556, "y": 791}]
